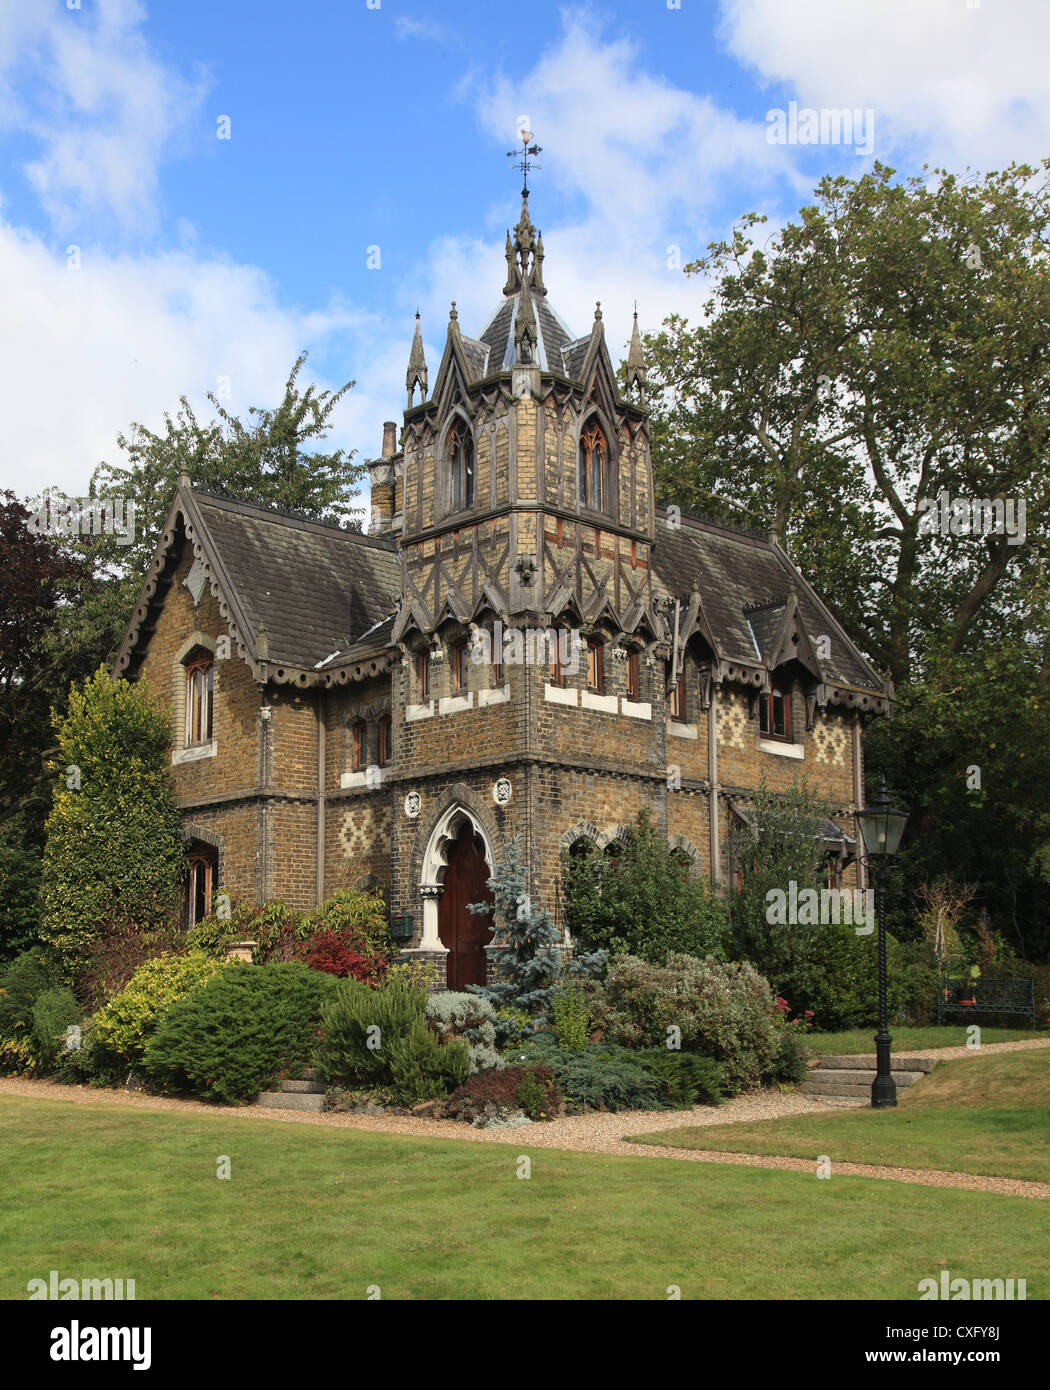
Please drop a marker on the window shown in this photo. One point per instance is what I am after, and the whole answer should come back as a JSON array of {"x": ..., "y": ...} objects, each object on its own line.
[
  {"x": 774, "y": 715},
  {"x": 201, "y": 882},
  {"x": 200, "y": 671},
  {"x": 592, "y": 458},
  {"x": 497, "y": 670},
  {"x": 595, "y": 665},
  {"x": 460, "y": 658},
  {"x": 422, "y": 677},
  {"x": 460, "y": 449},
  {"x": 385, "y": 732},
  {"x": 359, "y": 744},
  {"x": 632, "y": 675},
  {"x": 833, "y": 871},
  {"x": 557, "y": 671},
  {"x": 678, "y": 699}
]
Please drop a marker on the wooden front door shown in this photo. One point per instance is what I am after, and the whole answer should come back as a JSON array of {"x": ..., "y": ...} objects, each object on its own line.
[{"x": 465, "y": 933}]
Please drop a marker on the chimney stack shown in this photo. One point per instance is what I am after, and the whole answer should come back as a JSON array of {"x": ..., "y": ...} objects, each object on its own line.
[{"x": 381, "y": 472}]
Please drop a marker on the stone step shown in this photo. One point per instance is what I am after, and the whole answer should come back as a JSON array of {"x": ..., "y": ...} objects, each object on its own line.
[
  {"x": 831, "y": 1089},
  {"x": 290, "y": 1100},
  {"x": 867, "y": 1062},
  {"x": 304, "y": 1087},
  {"x": 853, "y": 1076}
]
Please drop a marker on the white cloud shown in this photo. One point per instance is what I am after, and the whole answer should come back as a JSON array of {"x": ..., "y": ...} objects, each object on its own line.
[
  {"x": 101, "y": 108},
  {"x": 87, "y": 351},
  {"x": 950, "y": 83}
]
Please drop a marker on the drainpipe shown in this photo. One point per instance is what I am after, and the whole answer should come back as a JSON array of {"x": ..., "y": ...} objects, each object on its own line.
[
  {"x": 320, "y": 710},
  {"x": 858, "y": 792},
  {"x": 712, "y": 780}
]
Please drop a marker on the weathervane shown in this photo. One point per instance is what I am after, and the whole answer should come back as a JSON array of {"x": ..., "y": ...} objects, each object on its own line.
[{"x": 525, "y": 163}]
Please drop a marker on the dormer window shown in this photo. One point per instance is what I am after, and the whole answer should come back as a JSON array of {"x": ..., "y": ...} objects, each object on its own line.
[
  {"x": 200, "y": 680},
  {"x": 774, "y": 715},
  {"x": 593, "y": 455},
  {"x": 460, "y": 451}
]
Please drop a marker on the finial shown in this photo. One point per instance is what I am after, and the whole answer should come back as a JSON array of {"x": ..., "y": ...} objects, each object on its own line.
[
  {"x": 598, "y": 310},
  {"x": 635, "y": 375},
  {"x": 417, "y": 368},
  {"x": 453, "y": 313}
]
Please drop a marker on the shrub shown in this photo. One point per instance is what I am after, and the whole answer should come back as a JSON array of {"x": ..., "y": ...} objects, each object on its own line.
[
  {"x": 125, "y": 1025},
  {"x": 531, "y": 1089},
  {"x": 120, "y": 950},
  {"x": 644, "y": 902},
  {"x": 722, "y": 1010},
  {"x": 115, "y": 853},
  {"x": 53, "y": 1013},
  {"x": 688, "y": 1078},
  {"x": 21, "y": 984},
  {"x": 424, "y": 1068},
  {"x": 571, "y": 1016},
  {"x": 378, "y": 1038},
  {"x": 598, "y": 1076},
  {"x": 335, "y": 953},
  {"x": 16, "y": 1057},
  {"x": 788, "y": 1066},
  {"x": 470, "y": 1017},
  {"x": 233, "y": 1036}
]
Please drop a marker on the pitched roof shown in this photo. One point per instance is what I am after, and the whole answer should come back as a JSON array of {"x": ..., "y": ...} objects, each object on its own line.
[
  {"x": 552, "y": 336},
  {"x": 316, "y": 588},
  {"x": 745, "y": 582}
]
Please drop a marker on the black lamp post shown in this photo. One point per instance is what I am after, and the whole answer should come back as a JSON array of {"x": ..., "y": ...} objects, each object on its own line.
[{"x": 881, "y": 828}]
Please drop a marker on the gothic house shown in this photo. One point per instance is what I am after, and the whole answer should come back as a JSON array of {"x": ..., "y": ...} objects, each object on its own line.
[{"x": 522, "y": 644}]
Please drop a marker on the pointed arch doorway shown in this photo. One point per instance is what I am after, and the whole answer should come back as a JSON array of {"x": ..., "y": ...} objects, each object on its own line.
[{"x": 463, "y": 933}]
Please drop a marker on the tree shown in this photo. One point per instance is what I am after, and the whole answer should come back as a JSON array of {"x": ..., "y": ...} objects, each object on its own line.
[
  {"x": 271, "y": 460},
  {"x": 887, "y": 347},
  {"x": 528, "y": 961},
  {"x": 642, "y": 902},
  {"x": 115, "y": 855}
]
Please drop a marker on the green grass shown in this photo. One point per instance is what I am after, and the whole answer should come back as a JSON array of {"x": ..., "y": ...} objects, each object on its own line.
[
  {"x": 908, "y": 1040},
  {"x": 989, "y": 1116},
  {"x": 312, "y": 1212}
]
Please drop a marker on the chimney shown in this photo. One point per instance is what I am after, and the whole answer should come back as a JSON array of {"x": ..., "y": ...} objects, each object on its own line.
[{"x": 381, "y": 472}]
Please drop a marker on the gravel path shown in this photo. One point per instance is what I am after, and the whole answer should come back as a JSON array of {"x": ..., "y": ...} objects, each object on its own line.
[{"x": 595, "y": 1133}]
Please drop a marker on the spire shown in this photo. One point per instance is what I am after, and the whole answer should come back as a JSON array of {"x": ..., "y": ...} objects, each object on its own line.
[
  {"x": 635, "y": 377},
  {"x": 513, "y": 274},
  {"x": 417, "y": 367}
]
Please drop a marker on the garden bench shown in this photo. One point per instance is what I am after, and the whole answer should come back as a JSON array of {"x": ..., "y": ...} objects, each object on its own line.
[{"x": 983, "y": 996}]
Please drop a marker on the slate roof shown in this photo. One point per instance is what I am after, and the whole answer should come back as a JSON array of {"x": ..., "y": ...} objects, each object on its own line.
[
  {"x": 320, "y": 591},
  {"x": 736, "y": 572},
  {"x": 553, "y": 336},
  {"x": 317, "y": 588}
]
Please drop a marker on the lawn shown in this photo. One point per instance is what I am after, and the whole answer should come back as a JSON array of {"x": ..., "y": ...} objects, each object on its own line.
[
  {"x": 989, "y": 1115},
  {"x": 311, "y": 1212},
  {"x": 908, "y": 1040}
]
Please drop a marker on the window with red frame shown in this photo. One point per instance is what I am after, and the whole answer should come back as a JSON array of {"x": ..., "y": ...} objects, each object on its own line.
[
  {"x": 359, "y": 744},
  {"x": 385, "y": 740},
  {"x": 422, "y": 677},
  {"x": 201, "y": 882},
  {"x": 774, "y": 715},
  {"x": 632, "y": 675},
  {"x": 595, "y": 666},
  {"x": 460, "y": 666},
  {"x": 678, "y": 699}
]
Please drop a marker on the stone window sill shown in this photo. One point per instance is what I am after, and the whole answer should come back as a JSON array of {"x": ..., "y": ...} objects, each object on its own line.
[
  {"x": 781, "y": 750},
  {"x": 194, "y": 754}
]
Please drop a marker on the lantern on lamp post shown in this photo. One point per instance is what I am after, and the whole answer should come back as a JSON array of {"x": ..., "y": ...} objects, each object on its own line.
[{"x": 881, "y": 828}]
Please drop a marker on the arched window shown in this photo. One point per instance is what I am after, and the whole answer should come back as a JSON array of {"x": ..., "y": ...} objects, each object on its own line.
[
  {"x": 460, "y": 453},
  {"x": 774, "y": 714},
  {"x": 593, "y": 456},
  {"x": 200, "y": 680},
  {"x": 202, "y": 881}
]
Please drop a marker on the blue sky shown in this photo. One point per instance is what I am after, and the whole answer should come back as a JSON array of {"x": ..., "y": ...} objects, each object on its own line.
[{"x": 200, "y": 260}]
